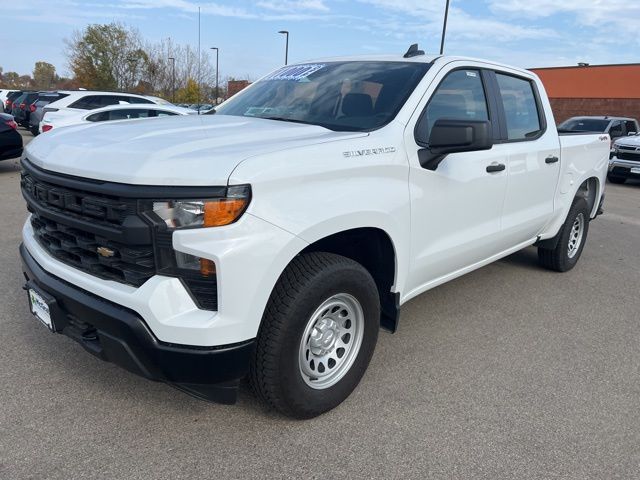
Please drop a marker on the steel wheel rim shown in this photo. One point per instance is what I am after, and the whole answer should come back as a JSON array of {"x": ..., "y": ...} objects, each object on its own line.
[
  {"x": 575, "y": 236},
  {"x": 331, "y": 341}
]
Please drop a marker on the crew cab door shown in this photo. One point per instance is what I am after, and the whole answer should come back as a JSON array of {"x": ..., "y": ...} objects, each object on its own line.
[
  {"x": 456, "y": 208},
  {"x": 533, "y": 156}
]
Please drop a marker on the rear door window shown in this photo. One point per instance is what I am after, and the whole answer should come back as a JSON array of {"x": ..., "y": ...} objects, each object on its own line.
[{"x": 522, "y": 114}]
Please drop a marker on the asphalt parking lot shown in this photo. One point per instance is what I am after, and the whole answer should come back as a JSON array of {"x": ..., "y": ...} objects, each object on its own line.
[{"x": 509, "y": 372}]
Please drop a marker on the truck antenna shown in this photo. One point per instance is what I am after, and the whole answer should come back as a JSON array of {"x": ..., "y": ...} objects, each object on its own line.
[{"x": 413, "y": 51}]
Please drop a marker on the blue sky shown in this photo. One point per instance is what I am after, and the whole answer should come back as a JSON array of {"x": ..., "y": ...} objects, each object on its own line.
[{"x": 527, "y": 33}]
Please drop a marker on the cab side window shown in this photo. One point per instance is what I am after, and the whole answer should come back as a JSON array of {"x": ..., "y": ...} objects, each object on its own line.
[
  {"x": 615, "y": 131},
  {"x": 460, "y": 96},
  {"x": 631, "y": 127},
  {"x": 520, "y": 107}
]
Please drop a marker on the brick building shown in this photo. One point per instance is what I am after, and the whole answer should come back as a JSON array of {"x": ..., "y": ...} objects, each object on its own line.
[
  {"x": 593, "y": 90},
  {"x": 234, "y": 86}
]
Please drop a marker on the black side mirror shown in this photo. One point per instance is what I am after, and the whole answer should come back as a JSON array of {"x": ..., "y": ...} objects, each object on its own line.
[{"x": 454, "y": 136}]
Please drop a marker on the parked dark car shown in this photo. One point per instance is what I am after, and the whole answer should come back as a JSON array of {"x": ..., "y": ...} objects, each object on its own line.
[
  {"x": 8, "y": 103},
  {"x": 37, "y": 108},
  {"x": 616, "y": 127},
  {"x": 10, "y": 139},
  {"x": 21, "y": 111}
]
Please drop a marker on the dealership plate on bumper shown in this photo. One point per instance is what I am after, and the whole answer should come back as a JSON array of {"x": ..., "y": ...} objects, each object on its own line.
[
  {"x": 635, "y": 170},
  {"x": 40, "y": 308}
]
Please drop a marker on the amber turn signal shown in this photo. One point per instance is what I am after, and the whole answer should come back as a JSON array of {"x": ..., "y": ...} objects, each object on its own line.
[
  {"x": 223, "y": 212},
  {"x": 207, "y": 267}
]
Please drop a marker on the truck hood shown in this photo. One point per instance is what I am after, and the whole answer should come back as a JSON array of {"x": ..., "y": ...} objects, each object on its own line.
[
  {"x": 629, "y": 141},
  {"x": 185, "y": 150}
]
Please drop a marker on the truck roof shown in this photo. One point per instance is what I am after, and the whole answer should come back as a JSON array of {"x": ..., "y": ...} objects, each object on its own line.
[
  {"x": 602, "y": 117},
  {"x": 424, "y": 58}
]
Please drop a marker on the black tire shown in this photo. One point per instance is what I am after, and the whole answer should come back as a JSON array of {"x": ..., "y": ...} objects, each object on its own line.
[
  {"x": 34, "y": 131},
  {"x": 308, "y": 281},
  {"x": 617, "y": 180},
  {"x": 558, "y": 258}
]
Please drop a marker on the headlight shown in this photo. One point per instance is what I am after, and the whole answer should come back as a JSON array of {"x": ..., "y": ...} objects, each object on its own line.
[
  {"x": 214, "y": 212},
  {"x": 168, "y": 215}
]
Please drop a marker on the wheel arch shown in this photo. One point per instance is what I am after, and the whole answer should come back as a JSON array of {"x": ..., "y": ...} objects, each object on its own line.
[
  {"x": 374, "y": 249},
  {"x": 591, "y": 191}
]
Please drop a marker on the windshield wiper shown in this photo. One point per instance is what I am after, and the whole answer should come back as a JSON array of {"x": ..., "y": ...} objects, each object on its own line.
[{"x": 285, "y": 119}]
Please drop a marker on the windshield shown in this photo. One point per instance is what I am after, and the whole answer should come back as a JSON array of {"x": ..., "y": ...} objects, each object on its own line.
[
  {"x": 584, "y": 125},
  {"x": 342, "y": 96}
]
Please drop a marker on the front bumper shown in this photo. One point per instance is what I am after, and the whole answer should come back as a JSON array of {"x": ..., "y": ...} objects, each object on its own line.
[
  {"x": 119, "y": 335},
  {"x": 622, "y": 168}
]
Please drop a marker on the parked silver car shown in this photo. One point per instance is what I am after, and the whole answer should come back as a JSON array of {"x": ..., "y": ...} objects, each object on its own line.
[{"x": 37, "y": 107}]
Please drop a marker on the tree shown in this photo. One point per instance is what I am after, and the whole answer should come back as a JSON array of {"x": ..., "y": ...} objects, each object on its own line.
[
  {"x": 44, "y": 75},
  {"x": 190, "y": 93},
  {"x": 106, "y": 57},
  {"x": 11, "y": 79},
  {"x": 159, "y": 68}
]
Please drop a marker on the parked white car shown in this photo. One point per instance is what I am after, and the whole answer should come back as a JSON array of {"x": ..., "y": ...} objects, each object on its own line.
[
  {"x": 112, "y": 113},
  {"x": 77, "y": 101},
  {"x": 274, "y": 238}
]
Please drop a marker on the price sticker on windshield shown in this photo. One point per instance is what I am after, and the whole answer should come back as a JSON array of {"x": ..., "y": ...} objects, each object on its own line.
[{"x": 295, "y": 72}]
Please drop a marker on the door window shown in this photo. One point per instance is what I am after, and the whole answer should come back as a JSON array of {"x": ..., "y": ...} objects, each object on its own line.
[
  {"x": 133, "y": 100},
  {"x": 161, "y": 113},
  {"x": 460, "y": 96},
  {"x": 616, "y": 129},
  {"x": 631, "y": 127},
  {"x": 128, "y": 113},
  {"x": 88, "y": 102},
  {"x": 520, "y": 107},
  {"x": 98, "y": 117}
]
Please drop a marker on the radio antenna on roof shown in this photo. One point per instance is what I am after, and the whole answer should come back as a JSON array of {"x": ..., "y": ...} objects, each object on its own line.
[{"x": 413, "y": 51}]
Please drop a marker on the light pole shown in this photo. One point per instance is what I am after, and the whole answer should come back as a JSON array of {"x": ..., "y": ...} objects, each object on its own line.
[
  {"x": 444, "y": 28},
  {"x": 217, "y": 56},
  {"x": 286, "y": 48},
  {"x": 173, "y": 79}
]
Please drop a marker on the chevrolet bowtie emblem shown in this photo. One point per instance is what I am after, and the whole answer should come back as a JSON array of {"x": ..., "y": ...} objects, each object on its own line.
[{"x": 105, "y": 252}]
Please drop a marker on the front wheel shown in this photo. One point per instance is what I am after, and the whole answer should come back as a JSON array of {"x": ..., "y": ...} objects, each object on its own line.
[
  {"x": 571, "y": 241},
  {"x": 317, "y": 336}
]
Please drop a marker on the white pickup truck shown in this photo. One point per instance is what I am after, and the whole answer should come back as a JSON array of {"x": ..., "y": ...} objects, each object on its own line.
[{"x": 272, "y": 239}]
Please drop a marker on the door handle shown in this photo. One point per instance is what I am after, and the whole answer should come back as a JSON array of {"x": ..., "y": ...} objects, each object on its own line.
[
  {"x": 551, "y": 159},
  {"x": 496, "y": 167}
]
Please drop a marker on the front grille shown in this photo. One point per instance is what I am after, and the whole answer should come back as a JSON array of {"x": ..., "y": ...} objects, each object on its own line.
[
  {"x": 99, "y": 228},
  {"x": 95, "y": 233},
  {"x": 78, "y": 204},
  {"x": 131, "y": 265},
  {"x": 633, "y": 156}
]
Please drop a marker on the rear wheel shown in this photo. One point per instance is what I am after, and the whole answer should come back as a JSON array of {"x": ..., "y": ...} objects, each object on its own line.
[
  {"x": 614, "y": 179},
  {"x": 318, "y": 334},
  {"x": 571, "y": 241}
]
